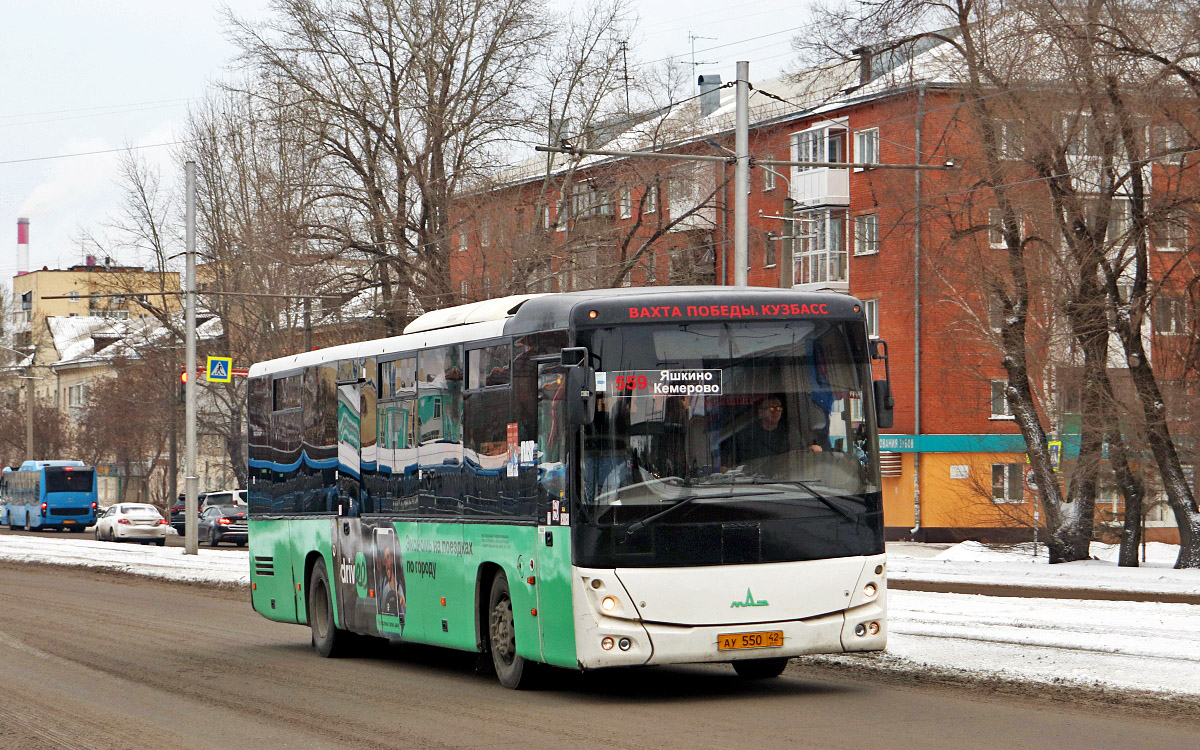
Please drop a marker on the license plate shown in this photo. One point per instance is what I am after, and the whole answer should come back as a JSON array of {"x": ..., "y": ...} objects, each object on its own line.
[
  {"x": 762, "y": 639},
  {"x": 68, "y": 521}
]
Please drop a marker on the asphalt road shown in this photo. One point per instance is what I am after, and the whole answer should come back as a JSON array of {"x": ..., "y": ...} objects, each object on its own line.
[
  {"x": 100, "y": 660},
  {"x": 172, "y": 539}
]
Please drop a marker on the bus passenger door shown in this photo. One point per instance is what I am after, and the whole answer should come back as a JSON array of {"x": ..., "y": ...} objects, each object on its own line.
[
  {"x": 552, "y": 573},
  {"x": 353, "y": 553}
]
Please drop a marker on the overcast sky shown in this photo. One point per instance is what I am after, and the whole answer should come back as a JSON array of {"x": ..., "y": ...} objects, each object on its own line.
[{"x": 79, "y": 76}]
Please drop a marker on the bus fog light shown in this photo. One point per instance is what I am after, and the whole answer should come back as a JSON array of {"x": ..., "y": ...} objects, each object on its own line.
[
  {"x": 860, "y": 629},
  {"x": 597, "y": 583},
  {"x": 869, "y": 590},
  {"x": 624, "y": 644},
  {"x": 873, "y": 628},
  {"x": 608, "y": 604},
  {"x": 606, "y": 643}
]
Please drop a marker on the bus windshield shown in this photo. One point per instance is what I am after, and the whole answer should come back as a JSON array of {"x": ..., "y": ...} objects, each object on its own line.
[{"x": 715, "y": 418}]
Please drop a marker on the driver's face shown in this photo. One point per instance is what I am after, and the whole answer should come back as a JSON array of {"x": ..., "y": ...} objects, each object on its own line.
[{"x": 770, "y": 412}]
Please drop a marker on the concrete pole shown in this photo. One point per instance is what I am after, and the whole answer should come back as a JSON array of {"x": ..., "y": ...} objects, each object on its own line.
[
  {"x": 787, "y": 260},
  {"x": 29, "y": 415},
  {"x": 741, "y": 176},
  {"x": 191, "y": 480}
]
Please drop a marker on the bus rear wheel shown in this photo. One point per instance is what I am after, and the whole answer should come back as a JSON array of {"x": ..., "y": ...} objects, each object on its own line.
[
  {"x": 760, "y": 669},
  {"x": 329, "y": 640},
  {"x": 511, "y": 669}
]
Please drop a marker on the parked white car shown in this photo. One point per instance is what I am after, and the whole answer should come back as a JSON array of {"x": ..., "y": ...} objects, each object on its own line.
[{"x": 132, "y": 522}]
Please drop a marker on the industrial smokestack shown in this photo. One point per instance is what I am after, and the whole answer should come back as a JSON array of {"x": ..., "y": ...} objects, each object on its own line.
[{"x": 22, "y": 246}]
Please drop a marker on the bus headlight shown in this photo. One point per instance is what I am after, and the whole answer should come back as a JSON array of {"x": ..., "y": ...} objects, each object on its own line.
[
  {"x": 873, "y": 628},
  {"x": 606, "y": 643},
  {"x": 869, "y": 590},
  {"x": 608, "y": 604}
]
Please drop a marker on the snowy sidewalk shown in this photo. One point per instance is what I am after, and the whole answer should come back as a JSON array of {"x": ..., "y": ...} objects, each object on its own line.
[{"x": 1143, "y": 646}]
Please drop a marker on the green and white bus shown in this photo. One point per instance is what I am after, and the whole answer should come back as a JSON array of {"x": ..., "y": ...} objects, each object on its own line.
[{"x": 585, "y": 480}]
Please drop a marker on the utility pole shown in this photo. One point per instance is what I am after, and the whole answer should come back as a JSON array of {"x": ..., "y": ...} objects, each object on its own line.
[
  {"x": 787, "y": 262},
  {"x": 190, "y": 479},
  {"x": 741, "y": 175}
]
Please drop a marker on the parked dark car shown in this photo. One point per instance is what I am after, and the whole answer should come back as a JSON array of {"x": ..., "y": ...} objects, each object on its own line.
[
  {"x": 204, "y": 501},
  {"x": 177, "y": 516},
  {"x": 223, "y": 523}
]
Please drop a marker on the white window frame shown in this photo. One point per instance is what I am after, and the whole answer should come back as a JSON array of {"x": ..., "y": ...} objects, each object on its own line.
[
  {"x": 770, "y": 253},
  {"x": 819, "y": 144},
  {"x": 998, "y": 389},
  {"x": 560, "y": 213},
  {"x": 768, "y": 179},
  {"x": 650, "y": 205},
  {"x": 866, "y": 147},
  {"x": 1007, "y": 486},
  {"x": 865, "y": 224},
  {"x": 462, "y": 240},
  {"x": 1172, "y": 231},
  {"x": 871, "y": 313},
  {"x": 485, "y": 233},
  {"x": 1171, "y": 310},
  {"x": 822, "y": 248},
  {"x": 626, "y": 203}
]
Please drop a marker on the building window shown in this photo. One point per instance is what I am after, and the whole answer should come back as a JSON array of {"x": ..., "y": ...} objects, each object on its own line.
[
  {"x": 651, "y": 203},
  {"x": 1000, "y": 408},
  {"x": 1011, "y": 144},
  {"x": 866, "y": 146},
  {"x": 462, "y": 240},
  {"x": 1170, "y": 232},
  {"x": 1170, "y": 315},
  {"x": 871, "y": 311},
  {"x": 822, "y": 243},
  {"x": 485, "y": 233},
  {"x": 463, "y": 289},
  {"x": 626, "y": 203},
  {"x": 996, "y": 229},
  {"x": 77, "y": 396},
  {"x": 768, "y": 178},
  {"x": 74, "y": 296},
  {"x": 1006, "y": 483},
  {"x": 819, "y": 145},
  {"x": 866, "y": 234},
  {"x": 652, "y": 265},
  {"x": 995, "y": 313},
  {"x": 560, "y": 214},
  {"x": 769, "y": 259},
  {"x": 1169, "y": 143},
  {"x": 545, "y": 211}
]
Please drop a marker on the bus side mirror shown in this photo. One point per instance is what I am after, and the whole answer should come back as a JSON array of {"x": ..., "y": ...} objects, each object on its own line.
[
  {"x": 581, "y": 385},
  {"x": 884, "y": 404}
]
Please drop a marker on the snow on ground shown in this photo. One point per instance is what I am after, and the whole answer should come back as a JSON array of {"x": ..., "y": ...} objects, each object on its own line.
[
  {"x": 972, "y": 562},
  {"x": 210, "y": 566},
  {"x": 1112, "y": 645}
]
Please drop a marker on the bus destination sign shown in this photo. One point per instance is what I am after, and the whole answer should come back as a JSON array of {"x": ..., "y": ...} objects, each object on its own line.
[
  {"x": 659, "y": 383},
  {"x": 764, "y": 310}
]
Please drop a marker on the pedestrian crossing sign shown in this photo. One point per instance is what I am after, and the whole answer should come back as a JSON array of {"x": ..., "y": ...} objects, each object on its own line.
[{"x": 219, "y": 369}]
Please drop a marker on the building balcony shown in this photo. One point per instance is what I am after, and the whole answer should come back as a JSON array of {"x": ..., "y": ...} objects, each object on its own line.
[{"x": 823, "y": 186}]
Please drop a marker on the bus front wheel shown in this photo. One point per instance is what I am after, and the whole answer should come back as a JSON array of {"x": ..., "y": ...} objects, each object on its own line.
[
  {"x": 327, "y": 638},
  {"x": 760, "y": 669},
  {"x": 511, "y": 669}
]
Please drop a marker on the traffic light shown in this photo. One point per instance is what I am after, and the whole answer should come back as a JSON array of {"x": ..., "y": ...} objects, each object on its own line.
[{"x": 183, "y": 386}]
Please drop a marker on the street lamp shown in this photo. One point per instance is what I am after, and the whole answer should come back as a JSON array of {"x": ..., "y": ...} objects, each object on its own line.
[{"x": 28, "y": 398}]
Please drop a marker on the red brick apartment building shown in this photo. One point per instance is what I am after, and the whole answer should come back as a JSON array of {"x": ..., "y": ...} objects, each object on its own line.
[{"x": 903, "y": 241}]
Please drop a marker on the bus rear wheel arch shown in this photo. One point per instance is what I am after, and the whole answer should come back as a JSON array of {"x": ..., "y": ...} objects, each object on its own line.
[
  {"x": 328, "y": 639},
  {"x": 512, "y": 670}
]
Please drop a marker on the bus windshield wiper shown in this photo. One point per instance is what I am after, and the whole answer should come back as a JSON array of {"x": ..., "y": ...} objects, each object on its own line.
[
  {"x": 637, "y": 526},
  {"x": 803, "y": 484}
]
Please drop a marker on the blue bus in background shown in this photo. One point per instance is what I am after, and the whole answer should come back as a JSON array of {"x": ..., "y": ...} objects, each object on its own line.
[{"x": 48, "y": 495}]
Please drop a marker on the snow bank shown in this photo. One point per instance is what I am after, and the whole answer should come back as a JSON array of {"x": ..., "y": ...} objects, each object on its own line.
[
  {"x": 974, "y": 563},
  {"x": 211, "y": 566}
]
